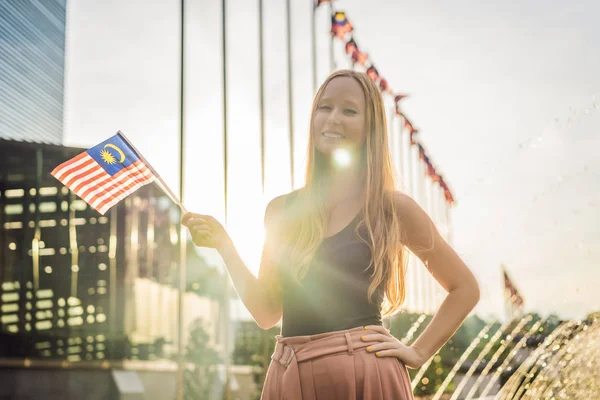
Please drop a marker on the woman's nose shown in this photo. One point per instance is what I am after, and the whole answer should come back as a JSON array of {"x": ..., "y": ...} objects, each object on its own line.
[{"x": 334, "y": 117}]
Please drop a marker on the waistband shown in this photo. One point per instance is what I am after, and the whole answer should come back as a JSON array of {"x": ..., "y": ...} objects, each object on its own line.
[{"x": 289, "y": 351}]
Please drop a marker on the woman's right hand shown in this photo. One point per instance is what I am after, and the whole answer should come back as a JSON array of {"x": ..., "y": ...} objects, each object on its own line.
[{"x": 206, "y": 231}]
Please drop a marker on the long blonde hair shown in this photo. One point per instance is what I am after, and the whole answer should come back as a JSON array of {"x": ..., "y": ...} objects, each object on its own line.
[{"x": 308, "y": 227}]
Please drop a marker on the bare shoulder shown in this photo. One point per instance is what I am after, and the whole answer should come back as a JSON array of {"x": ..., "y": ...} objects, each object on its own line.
[
  {"x": 276, "y": 205},
  {"x": 420, "y": 231},
  {"x": 406, "y": 206},
  {"x": 275, "y": 208}
]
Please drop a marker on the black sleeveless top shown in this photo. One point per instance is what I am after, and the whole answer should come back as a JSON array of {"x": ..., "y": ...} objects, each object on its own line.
[{"x": 333, "y": 295}]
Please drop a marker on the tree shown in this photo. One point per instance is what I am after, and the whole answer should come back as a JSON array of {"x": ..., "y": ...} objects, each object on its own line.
[{"x": 201, "y": 377}]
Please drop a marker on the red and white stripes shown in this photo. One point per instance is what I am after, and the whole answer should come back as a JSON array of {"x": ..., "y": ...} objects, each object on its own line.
[{"x": 88, "y": 180}]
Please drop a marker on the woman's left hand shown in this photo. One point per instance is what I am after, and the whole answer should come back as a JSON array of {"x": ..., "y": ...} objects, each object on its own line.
[{"x": 389, "y": 346}]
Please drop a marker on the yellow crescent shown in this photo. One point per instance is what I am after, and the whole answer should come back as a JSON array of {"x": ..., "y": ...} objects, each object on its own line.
[{"x": 112, "y": 146}]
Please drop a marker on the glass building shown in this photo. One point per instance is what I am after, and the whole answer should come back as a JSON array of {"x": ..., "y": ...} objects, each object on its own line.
[{"x": 32, "y": 61}]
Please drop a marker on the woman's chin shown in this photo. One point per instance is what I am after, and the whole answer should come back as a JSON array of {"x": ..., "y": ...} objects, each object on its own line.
[
  {"x": 329, "y": 147},
  {"x": 340, "y": 156}
]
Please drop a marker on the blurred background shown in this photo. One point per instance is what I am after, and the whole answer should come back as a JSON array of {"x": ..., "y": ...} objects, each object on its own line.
[{"x": 493, "y": 113}]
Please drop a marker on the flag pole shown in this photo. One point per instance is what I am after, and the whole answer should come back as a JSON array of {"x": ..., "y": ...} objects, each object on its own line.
[
  {"x": 290, "y": 88},
  {"x": 314, "y": 46},
  {"x": 226, "y": 310},
  {"x": 408, "y": 187},
  {"x": 400, "y": 148},
  {"x": 416, "y": 182},
  {"x": 182, "y": 241},
  {"x": 160, "y": 180},
  {"x": 331, "y": 55},
  {"x": 261, "y": 91}
]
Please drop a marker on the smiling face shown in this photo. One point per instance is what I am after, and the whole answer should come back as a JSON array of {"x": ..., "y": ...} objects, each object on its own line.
[{"x": 339, "y": 119}]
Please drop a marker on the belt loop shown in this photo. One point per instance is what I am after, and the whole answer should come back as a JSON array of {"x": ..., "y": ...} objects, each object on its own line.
[
  {"x": 350, "y": 345},
  {"x": 288, "y": 360},
  {"x": 281, "y": 356}
]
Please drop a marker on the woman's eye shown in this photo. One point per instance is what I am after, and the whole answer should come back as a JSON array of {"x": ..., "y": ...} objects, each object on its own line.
[
  {"x": 350, "y": 111},
  {"x": 324, "y": 107}
]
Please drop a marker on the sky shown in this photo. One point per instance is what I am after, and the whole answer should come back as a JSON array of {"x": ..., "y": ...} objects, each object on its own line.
[{"x": 506, "y": 96}]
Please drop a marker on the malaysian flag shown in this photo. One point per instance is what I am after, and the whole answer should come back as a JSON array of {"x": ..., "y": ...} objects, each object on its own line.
[
  {"x": 373, "y": 73},
  {"x": 105, "y": 174},
  {"x": 340, "y": 25},
  {"x": 514, "y": 301}
]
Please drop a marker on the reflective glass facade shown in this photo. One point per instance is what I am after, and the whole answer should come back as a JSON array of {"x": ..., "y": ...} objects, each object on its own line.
[{"x": 32, "y": 60}]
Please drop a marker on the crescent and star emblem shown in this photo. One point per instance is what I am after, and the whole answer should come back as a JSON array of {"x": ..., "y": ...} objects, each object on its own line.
[{"x": 108, "y": 157}]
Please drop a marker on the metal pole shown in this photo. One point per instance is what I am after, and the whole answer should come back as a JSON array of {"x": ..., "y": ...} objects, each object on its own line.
[
  {"x": 264, "y": 337},
  {"x": 389, "y": 117},
  {"x": 225, "y": 142},
  {"x": 416, "y": 182},
  {"x": 314, "y": 47},
  {"x": 290, "y": 93},
  {"x": 182, "y": 242},
  {"x": 412, "y": 265},
  {"x": 331, "y": 55},
  {"x": 112, "y": 272},
  {"x": 429, "y": 278},
  {"x": 261, "y": 92},
  {"x": 225, "y": 197},
  {"x": 400, "y": 149},
  {"x": 37, "y": 235}
]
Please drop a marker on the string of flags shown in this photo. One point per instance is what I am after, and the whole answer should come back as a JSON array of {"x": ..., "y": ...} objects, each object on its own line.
[
  {"x": 110, "y": 171},
  {"x": 342, "y": 29}
]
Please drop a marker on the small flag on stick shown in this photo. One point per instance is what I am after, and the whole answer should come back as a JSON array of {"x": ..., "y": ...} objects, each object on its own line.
[{"x": 107, "y": 173}]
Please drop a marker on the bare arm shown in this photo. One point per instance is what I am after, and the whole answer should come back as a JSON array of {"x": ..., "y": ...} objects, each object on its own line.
[
  {"x": 262, "y": 296},
  {"x": 424, "y": 240}
]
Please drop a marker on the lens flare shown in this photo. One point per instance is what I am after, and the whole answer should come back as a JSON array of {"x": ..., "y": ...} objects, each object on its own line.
[{"x": 341, "y": 158}]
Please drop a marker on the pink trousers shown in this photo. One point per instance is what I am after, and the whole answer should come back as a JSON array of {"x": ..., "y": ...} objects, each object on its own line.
[{"x": 333, "y": 366}]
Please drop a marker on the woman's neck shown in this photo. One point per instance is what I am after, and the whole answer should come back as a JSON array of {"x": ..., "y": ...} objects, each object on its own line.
[{"x": 344, "y": 184}]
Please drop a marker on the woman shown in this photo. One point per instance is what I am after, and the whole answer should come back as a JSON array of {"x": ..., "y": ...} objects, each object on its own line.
[{"x": 333, "y": 262}]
